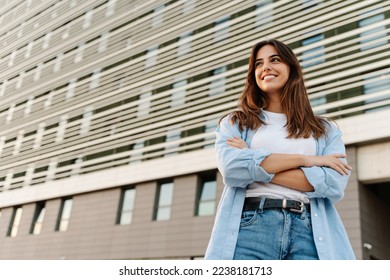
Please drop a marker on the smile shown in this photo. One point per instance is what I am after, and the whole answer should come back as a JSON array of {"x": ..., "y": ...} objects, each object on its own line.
[{"x": 269, "y": 77}]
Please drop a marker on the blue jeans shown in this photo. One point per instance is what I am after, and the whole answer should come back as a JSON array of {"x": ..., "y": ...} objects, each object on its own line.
[{"x": 275, "y": 234}]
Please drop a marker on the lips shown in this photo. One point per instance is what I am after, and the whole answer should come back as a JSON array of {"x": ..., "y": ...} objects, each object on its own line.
[{"x": 268, "y": 77}]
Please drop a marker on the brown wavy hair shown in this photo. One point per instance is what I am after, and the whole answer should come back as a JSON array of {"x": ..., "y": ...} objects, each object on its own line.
[{"x": 301, "y": 121}]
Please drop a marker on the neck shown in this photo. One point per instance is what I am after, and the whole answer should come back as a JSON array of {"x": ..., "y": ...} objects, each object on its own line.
[{"x": 274, "y": 107}]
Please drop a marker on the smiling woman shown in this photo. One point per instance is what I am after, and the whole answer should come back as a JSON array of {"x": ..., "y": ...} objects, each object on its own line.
[{"x": 280, "y": 164}]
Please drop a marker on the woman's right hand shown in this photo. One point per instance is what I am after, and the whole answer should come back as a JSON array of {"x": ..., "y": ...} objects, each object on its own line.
[{"x": 333, "y": 161}]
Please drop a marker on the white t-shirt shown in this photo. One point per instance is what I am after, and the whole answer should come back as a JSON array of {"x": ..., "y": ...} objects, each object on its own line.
[{"x": 273, "y": 137}]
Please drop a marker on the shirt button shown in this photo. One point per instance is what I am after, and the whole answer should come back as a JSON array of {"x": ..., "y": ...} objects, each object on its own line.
[
  {"x": 320, "y": 238},
  {"x": 315, "y": 215}
]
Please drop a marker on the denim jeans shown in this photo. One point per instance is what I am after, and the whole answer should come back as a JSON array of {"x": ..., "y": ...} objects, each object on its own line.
[{"x": 275, "y": 234}]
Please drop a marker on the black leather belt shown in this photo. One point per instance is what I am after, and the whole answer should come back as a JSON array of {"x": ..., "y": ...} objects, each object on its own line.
[{"x": 252, "y": 203}]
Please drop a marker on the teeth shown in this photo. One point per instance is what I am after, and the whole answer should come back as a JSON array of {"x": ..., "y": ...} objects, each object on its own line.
[{"x": 269, "y": 77}]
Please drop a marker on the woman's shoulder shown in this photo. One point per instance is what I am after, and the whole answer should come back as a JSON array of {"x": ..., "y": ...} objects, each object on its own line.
[{"x": 331, "y": 127}]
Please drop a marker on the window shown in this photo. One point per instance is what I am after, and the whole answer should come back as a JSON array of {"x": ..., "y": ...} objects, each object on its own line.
[
  {"x": 15, "y": 221},
  {"x": 218, "y": 85},
  {"x": 151, "y": 56},
  {"x": 158, "y": 15},
  {"x": 206, "y": 195},
  {"x": 88, "y": 19},
  {"x": 314, "y": 55},
  {"x": 38, "y": 217},
  {"x": 210, "y": 128},
  {"x": 184, "y": 44},
  {"x": 110, "y": 8},
  {"x": 163, "y": 202},
  {"x": 87, "y": 119},
  {"x": 377, "y": 34},
  {"x": 29, "y": 49},
  {"x": 375, "y": 85},
  {"x": 145, "y": 102},
  {"x": 64, "y": 215},
  {"x": 46, "y": 41},
  {"x": 222, "y": 29},
  {"x": 173, "y": 137},
  {"x": 189, "y": 6},
  {"x": 179, "y": 93},
  {"x": 126, "y": 206},
  {"x": 264, "y": 13}
]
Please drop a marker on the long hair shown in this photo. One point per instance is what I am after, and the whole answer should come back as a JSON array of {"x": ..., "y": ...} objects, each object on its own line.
[{"x": 301, "y": 121}]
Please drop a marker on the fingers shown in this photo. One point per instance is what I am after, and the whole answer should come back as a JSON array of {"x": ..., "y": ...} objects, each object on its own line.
[{"x": 341, "y": 167}]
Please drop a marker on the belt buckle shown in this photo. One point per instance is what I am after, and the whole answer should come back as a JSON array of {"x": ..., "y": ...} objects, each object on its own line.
[{"x": 300, "y": 210}]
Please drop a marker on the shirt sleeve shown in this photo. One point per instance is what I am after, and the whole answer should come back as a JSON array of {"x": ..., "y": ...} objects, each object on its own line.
[
  {"x": 327, "y": 182},
  {"x": 239, "y": 167}
]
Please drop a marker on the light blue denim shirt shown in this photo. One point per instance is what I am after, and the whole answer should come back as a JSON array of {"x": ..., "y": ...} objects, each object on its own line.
[{"x": 241, "y": 167}]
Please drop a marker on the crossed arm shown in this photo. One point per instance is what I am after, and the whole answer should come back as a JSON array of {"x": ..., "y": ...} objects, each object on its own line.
[{"x": 286, "y": 167}]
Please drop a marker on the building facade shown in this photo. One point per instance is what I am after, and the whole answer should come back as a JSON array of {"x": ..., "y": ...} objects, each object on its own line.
[{"x": 108, "y": 110}]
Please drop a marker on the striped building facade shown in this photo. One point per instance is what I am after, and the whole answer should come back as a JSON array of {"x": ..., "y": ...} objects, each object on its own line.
[{"x": 108, "y": 110}]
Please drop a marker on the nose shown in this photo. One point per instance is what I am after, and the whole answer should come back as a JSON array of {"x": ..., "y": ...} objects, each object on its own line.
[{"x": 266, "y": 67}]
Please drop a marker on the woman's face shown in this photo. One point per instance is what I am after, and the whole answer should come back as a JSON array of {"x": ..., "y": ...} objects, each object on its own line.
[{"x": 270, "y": 70}]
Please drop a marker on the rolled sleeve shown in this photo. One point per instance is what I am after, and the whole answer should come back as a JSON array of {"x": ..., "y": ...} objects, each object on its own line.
[
  {"x": 239, "y": 167},
  {"x": 327, "y": 182}
]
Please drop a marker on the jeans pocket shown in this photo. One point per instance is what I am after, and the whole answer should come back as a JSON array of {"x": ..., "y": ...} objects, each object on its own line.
[{"x": 248, "y": 218}]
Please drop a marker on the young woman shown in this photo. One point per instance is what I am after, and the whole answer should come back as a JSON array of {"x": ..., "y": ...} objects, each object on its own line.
[{"x": 283, "y": 169}]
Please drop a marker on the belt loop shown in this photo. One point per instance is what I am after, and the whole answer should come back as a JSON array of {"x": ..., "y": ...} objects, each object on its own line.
[
  {"x": 304, "y": 213},
  {"x": 284, "y": 203},
  {"x": 261, "y": 205}
]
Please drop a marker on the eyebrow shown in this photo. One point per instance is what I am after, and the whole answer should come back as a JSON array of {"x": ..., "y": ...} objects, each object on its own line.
[{"x": 271, "y": 56}]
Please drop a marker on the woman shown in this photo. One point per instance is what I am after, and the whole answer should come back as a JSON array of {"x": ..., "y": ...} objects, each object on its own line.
[{"x": 283, "y": 169}]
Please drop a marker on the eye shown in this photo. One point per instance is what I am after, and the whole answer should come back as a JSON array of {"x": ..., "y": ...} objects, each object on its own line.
[
  {"x": 276, "y": 59},
  {"x": 258, "y": 63}
]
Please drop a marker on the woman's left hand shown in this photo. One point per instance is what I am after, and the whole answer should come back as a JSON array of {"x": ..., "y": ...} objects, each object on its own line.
[{"x": 237, "y": 143}]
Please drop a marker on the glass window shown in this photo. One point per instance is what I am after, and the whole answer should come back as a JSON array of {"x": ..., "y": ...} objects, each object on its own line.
[
  {"x": 12, "y": 58},
  {"x": 38, "y": 217},
  {"x": 137, "y": 155},
  {"x": 151, "y": 56},
  {"x": 103, "y": 41},
  {"x": 222, "y": 29},
  {"x": 87, "y": 119},
  {"x": 38, "y": 71},
  {"x": 95, "y": 79},
  {"x": 218, "y": 85},
  {"x": 29, "y": 49},
  {"x": 15, "y": 221},
  {"x": 79, "y": 53},
  {"x": 184, "y": 44},
  {"x": 126, "y": 206},
  {"x": 61, "y": 128},
  {"x": 58, "y": 62},
  {"x": 264, "y": 14},
  {"x": 144, "y": 102},
  {"x": 173, "y": 136},
  {"x": 46, "y": 41},
  {"x": 210, "y": 128},
  {"x": 71, "y": 89},
  {"x": 110, "y": 8},
  {"x": 19, "y": 82},
  {"x": 64, "y": 215},
  {"x": 189, "y": 6},
  {"x": 178, "y": 96},
  {"x": 158, "y": 15},
  {"x": 314, "y": 55},
  {"x": 378, "y": 33},
  {"x": 163, "y": 202},
  {"x": 206, "y": 198},
  {"x": 88, "y": 19},
  {"x": 376, "y": 85}
]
